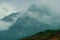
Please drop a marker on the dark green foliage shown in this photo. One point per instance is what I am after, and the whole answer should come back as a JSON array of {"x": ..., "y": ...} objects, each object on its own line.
[{"x": 45, "y": 35}]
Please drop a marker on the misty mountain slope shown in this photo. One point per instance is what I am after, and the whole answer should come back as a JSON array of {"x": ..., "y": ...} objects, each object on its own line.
[
  {"x": 32, "y": 21},
  {"x": 43, "y": 14},
  {"x": 26, "y": 21},
  {"x": 28, "y": 24}
]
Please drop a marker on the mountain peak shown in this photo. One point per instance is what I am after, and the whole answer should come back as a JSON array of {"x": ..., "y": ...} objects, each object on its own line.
[{"x": 9, "y": 18}]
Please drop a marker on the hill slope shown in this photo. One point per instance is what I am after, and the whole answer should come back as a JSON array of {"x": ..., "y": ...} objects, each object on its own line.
[{"x": 45, "y": 35}]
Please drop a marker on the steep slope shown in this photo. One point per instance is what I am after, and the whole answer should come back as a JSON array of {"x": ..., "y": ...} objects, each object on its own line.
[
  {"x": 29, "y": 18},
  {"x": 28, "y": 25}
]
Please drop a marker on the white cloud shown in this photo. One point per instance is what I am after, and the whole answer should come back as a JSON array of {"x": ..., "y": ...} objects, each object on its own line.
[
  {"x": 4, "y": 25},
  {"x": 6, "y": 9}
]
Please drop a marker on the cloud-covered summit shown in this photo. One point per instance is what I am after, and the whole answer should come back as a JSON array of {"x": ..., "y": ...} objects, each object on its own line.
[
  {"x": 33, "y": 20},
  {"x": 36, "y": 18}
]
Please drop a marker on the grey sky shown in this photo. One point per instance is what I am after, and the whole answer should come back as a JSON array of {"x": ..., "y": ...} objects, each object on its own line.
[
  {"x": 13, "y": 6},
  {"x": 20, "y": 5}
]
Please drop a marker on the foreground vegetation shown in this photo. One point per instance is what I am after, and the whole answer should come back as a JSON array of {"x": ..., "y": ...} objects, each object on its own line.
[{"x": 45, "y": 35}]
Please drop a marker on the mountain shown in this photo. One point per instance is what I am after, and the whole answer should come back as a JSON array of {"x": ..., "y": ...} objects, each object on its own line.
[
  {"x": 26, "y": 24},
  {"x": 30, "y": 23},
  {"x": 45, "y": 35},
  {"x": 9, "y": 18}
]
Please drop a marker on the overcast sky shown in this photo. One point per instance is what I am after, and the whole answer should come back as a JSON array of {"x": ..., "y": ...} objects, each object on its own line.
[{"x": 9, "y": 6}]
